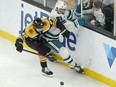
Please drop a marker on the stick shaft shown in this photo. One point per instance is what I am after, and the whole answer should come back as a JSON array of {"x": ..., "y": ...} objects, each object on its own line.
[
  {"x": 30, "y": 52},
  {"x": 38, "y": 54}
]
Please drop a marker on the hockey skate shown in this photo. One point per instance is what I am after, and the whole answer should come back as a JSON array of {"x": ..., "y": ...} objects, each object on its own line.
[
  {"x": 47, "y": 72},
  {"x": 51, "y": 58},
  {"x": 78, "y": 68}
]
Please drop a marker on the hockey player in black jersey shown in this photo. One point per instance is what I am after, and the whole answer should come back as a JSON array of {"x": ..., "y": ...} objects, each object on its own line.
[
  {"x": 42, "y": 36},
  {"x": 32, "y": 36}
]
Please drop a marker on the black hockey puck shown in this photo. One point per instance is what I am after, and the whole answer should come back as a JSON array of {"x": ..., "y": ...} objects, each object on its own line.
[{"x": 61, "y": 83}]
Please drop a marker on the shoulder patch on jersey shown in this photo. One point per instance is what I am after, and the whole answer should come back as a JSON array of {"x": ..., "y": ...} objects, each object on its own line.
[
  {"x": 31, "y": 31},
  {"x": 47, "y": 24}
]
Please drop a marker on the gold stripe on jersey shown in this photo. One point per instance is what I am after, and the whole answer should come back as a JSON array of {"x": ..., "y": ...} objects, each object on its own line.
[
  {"x": 47, "y": 24},
  {"x": 30, "y": 31},
  {"x": 55, "y": 21}
]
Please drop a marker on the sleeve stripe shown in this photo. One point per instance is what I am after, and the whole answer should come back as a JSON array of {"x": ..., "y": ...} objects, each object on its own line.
[{"x": 70, "y": 15}]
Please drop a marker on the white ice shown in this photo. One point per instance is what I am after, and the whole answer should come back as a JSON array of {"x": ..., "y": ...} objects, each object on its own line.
[{"x": 23, "y": 70}]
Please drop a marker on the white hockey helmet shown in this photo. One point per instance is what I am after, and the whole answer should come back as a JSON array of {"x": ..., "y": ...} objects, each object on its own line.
[{"x": 60, "y": 5}]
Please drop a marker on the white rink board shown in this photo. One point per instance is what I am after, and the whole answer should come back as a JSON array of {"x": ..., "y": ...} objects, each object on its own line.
[
  {"x": 82, "y": 44},
  {"x": 16, "y": 14}
]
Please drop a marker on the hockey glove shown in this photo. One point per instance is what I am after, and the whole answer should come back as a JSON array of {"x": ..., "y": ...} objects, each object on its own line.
[
  {"x": 18, "y": 45},
  {"x": 65, "y": 33},
  {"x": 61, "y": 19}
]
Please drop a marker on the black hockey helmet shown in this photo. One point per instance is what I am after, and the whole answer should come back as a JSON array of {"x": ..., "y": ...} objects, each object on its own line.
[{"x": 38, "y": 23}]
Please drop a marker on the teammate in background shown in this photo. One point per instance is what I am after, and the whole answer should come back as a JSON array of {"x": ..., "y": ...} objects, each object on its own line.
[
  {"x": 60, "y": 10},
  {"x": 32, "y": 36}
]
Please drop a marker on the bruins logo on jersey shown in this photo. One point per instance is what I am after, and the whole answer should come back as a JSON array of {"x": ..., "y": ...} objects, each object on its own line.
[{"x": 31, "y": 31}]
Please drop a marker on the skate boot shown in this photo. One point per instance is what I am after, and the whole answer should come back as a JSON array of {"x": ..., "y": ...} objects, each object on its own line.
[
  {"x": 51, "y": 58},
  {"x": 47, "y": 72},
  {"x": 78, "y": 68}
]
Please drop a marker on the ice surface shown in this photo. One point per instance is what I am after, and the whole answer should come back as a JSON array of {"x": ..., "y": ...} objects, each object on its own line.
[{"x": 23, "y": 70}]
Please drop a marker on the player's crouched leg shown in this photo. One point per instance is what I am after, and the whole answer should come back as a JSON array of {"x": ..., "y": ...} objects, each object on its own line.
[{"x": 43, "y": 51}]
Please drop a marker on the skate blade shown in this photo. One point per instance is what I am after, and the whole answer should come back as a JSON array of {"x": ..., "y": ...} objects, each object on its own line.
[
  {"x": 78, "y": 71},
  {"x": 51, "y": 76}
]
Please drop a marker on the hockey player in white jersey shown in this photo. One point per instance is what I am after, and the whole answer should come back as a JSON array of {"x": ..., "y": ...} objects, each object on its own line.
[
  {"x": 53, "y": 29},
  {"x": 60, "y": 11}
]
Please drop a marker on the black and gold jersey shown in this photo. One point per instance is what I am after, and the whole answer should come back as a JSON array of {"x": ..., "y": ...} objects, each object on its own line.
[{"x": 32, "y": 33}]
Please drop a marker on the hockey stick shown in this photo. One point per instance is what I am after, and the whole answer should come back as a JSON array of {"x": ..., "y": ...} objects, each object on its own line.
[
  {"x": 60, "y": 61},
  {"x": 30, "y": 52},
  {"x": 39, "y": 54}
]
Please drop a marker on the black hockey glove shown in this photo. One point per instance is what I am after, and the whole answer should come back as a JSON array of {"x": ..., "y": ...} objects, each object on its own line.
[
  {"x": 18, "y": 45},
  {"x": 65, "y": 33}
]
